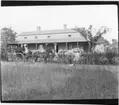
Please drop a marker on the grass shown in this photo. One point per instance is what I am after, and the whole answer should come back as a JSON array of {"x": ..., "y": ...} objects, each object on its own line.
[{"x": 39, "y": 81}]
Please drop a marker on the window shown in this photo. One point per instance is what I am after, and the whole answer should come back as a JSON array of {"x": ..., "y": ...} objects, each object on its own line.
[
  {"x": 69, "y": 35},
  {"x": 48, "y": 36},
  {"x": 25, "y": 37},
  {"x": 36, "y": 37}
]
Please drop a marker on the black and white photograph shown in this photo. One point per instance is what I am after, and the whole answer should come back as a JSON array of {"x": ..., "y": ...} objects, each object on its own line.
[{"x": 65, "y": 52}]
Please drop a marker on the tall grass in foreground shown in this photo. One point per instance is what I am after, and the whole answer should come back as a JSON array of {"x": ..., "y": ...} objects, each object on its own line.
[{"x": 58, "y": 81}]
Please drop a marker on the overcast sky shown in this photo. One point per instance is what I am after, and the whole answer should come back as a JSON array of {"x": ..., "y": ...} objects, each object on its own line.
[{"x": 27, "y": 18}]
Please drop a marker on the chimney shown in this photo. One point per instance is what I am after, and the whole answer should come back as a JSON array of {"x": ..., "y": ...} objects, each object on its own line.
[
  {"x": 65, "y": 26},
  {"x": 38, "y": 28}
]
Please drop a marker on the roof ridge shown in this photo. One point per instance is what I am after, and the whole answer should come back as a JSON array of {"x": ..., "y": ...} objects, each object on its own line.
[
  {"x": 51, "y": 30},
  {"x": 48, "y": 31}
]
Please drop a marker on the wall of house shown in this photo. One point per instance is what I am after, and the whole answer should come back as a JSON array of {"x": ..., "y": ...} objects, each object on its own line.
[
  {"x": 43, "y": 44},
  {"x": 100, "y": 48},
  {"x": 71, "y": 45},
  {"x": 85, "y": 46},
  {"x": 50, "y": 45},
  {"x": 60, "y": 46},
  {"x": 32, "y": 46}
]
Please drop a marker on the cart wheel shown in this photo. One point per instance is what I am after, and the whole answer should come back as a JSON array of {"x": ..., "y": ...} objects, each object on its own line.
[{"x": 19, "y": 57}]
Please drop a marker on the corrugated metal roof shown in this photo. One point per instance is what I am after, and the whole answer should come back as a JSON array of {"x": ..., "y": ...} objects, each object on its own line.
[
  {"x": 43, "y": 32},
  {"x": 81, "y": 39},
  {"x": 102, "y": 41},
  {"x": 51, "y": 40}
]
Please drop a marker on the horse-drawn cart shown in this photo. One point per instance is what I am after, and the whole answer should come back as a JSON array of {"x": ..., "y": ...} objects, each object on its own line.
[
  {"x": 20, "y": 54},
  {"x": 15, "y": 54}
]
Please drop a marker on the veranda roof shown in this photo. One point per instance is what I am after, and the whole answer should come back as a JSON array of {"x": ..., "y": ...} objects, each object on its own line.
[
  {"x": 63, "y": 40},
  {"x": 102, "y": 41}
]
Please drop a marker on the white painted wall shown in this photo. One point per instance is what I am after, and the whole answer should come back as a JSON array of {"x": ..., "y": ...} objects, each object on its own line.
[{"x": 100, "y": 48}]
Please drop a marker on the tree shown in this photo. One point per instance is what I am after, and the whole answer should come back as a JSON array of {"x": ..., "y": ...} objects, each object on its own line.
[
  {"x": 92, "y": 40},
  {"x": 114, "y": 45},
  {"x": 7, "y": 35}
]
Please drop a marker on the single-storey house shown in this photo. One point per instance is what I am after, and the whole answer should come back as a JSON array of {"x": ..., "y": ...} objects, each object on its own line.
[{"x": 55, "y": 39}]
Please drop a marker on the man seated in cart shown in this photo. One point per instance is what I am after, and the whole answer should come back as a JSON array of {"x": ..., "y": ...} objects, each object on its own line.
[
  {"x": 26, "y": 51},
  {"x": 23, "y": 49}
]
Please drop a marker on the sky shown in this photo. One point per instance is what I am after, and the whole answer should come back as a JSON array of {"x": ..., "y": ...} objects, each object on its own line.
[{"x": 27, "y": 18}]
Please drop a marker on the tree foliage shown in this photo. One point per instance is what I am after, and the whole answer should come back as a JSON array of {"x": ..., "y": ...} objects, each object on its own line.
[
  {"x": 114, "y": 46},
  {"x": 7, "y": 35},
  {"x": 92, "y": 40}
]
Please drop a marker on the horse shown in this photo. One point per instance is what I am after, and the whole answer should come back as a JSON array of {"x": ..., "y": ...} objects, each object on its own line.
[
  {"x": 45, "y": 55},
  {"x": 48, "y": 55}
]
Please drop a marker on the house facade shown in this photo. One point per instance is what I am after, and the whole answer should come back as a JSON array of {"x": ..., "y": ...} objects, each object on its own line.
[{"x": 54, "y": 39}]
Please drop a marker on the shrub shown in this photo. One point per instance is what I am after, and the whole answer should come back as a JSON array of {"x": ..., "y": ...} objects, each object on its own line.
[
  {"x": 4, "y": 55},
  {"x": 115, "y": 60},
  {"x": 100, "y": 58},
  {"x": 89, "y": 58},
  {"x": 62, "y": 57},
  {"x": 111, "y": 56},
  {"x": 48, "y": 55},
  {"x": 70, "y": 58}
]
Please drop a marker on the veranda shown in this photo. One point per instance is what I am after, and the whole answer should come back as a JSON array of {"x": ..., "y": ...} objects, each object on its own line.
[{"x": 54, "y": 46}]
